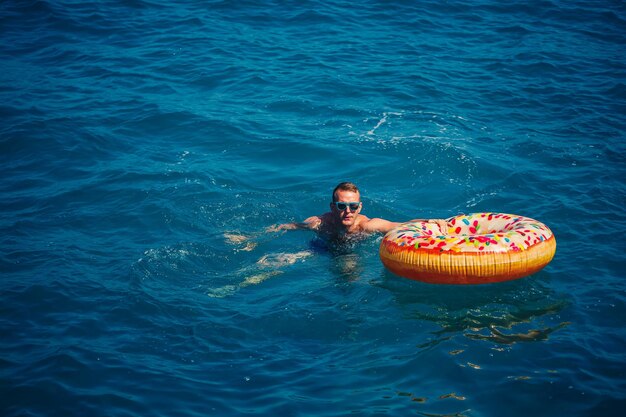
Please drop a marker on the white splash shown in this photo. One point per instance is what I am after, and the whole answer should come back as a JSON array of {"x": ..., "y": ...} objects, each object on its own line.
[{"x": 382, "y": 121}]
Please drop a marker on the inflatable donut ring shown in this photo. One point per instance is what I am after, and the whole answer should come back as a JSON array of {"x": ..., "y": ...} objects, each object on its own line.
[{"x": 479, "y": 248}]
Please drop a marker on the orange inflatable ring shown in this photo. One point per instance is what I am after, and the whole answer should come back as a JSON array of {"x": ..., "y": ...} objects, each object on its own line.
[{"x": 480, "y": 248}]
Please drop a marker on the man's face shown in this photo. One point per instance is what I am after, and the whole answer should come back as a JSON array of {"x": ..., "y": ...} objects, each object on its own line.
[{"x": 346, "y": 217}]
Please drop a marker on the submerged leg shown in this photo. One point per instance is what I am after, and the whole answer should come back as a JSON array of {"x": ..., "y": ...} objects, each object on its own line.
[{"x": 261, "y": 272}]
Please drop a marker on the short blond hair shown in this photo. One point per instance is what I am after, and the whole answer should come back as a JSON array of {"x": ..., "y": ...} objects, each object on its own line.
[{"x": 345, "y": 186}]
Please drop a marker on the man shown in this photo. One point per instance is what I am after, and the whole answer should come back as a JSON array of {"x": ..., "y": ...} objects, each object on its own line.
[
  {"x": 344, "y": 218},
  {"x": 343, "y": 223}
]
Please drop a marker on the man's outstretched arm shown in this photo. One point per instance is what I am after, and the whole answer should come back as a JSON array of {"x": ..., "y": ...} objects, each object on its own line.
[
  {"x": 384, "y": 226},
  {"x": 312, "y": 223},
  {"x": 379, "y": 225}
]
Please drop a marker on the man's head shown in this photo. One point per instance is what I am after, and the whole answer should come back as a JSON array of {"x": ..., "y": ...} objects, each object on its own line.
[{"x": 346, "y": 203}]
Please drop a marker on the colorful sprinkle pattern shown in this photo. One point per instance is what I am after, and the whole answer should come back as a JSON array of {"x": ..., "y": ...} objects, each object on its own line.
[{"x": 478, "y": 232}]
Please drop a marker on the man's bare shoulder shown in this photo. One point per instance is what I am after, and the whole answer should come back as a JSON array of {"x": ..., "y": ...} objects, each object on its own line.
[{"x": 362, "y": 220}]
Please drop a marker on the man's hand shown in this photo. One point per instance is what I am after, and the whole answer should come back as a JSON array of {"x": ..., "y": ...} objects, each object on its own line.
[{"x": 443, "y": 225}]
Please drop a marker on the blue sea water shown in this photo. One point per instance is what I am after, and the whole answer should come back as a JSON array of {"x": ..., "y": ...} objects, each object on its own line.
[{"x": 145, "y": 146}]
